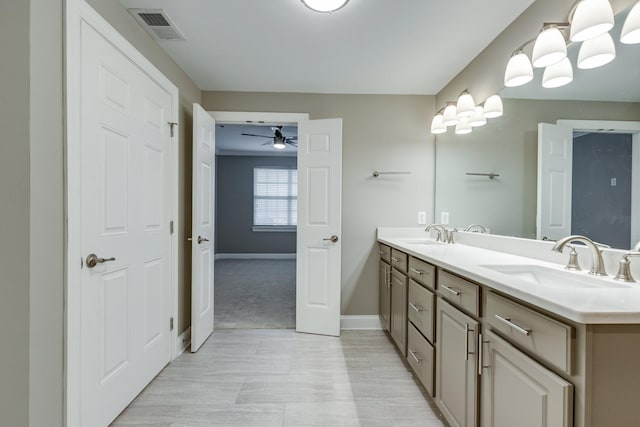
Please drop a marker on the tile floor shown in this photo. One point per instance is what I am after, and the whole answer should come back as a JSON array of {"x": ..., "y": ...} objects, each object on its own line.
[{"x": 281, "y": 378}]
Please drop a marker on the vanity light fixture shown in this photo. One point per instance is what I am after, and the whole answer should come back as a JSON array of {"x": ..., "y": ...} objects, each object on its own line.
[
  {"x": 519, "y": 70},
  {"x": 466, "y": 106},
  {"x": 450, "y": 116},
  {"x": 631, "y": 29},
  {"x": 596, "y": 52},
  {"x": 493, "y": 107},
  {"x": 437, "y": 126},
  {"x": 463, "y": 127},
  {"x": 590, "y": 19},
  {"x": 550, "y": 47},
  {"x": 557, "y": 75},
  {"x": 478, "y": 118},
  {"x": 325, "y": 6}
]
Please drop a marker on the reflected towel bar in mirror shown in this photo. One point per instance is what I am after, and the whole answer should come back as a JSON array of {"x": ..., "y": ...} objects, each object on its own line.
[
  {"x": 377, "y": 174},
  {"x": 490, "y": 175}
]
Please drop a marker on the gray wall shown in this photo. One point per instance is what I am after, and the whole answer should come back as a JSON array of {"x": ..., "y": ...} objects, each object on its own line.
[
  {"x": 380, "y": 132},
  {"x": 599, "y": 210},
  {"x": 234, "y": 207}
]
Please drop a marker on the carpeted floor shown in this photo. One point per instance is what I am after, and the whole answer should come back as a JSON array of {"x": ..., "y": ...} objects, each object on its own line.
[{"x": 255, "y": 294}]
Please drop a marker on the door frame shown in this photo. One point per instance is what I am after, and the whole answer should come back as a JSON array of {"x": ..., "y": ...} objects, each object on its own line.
[
  {"x": 613, "y": 126},
  {"x": 76, "y": 12}
]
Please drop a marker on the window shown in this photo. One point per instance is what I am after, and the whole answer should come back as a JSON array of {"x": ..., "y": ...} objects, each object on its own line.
[{"x": 275, "y": 199}]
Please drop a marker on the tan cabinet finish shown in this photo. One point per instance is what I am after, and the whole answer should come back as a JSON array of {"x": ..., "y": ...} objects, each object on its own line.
[
  {"x": 399, "y": 260},
  {"x": 420, "y": 355},
  {"x": 385, "y": 253},
  {"x": 518, "y": 391},
  {"x": 384, "y": 294},
  {"x": 460, "y": 292},
  {"x": 422, "y": 272},
  {"x": 421, "y": 309},
  {"x": 399, "y": 310},
  {"x": 456, "y": 366}
]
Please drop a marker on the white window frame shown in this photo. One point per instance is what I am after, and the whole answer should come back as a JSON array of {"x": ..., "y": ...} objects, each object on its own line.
[{"x": 271, "y": 228}]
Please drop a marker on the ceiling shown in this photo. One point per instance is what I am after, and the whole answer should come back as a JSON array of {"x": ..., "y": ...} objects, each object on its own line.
[
  {"x": 367, "y": 47},
  {"x": 231, "y": 142}
]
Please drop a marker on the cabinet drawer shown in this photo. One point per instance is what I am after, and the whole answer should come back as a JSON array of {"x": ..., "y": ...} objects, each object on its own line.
[
  {"x": 399, "y": 260},
  {"x": 421, "y": 309},
  {"x": 422, "y": 272},
  {"x": 460, "y": 292},
  {"x": 385, "y": 253},
  {"x": 420, "y": 356},
  {"x": 543, "y": 336}
]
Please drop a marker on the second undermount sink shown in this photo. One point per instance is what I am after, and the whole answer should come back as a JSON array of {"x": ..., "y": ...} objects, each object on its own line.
[
  {"x": 421, "y": 242},
  {"x": 551, "y": 278}
]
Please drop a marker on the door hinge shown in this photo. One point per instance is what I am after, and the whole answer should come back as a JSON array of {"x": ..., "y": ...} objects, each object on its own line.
[
  {"x": 170, "y": 227},
  {"x": 171, "y": 126},
  {"x": 171, "y": 323}
]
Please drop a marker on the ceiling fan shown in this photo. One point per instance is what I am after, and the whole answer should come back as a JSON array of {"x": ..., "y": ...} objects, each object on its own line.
[{"x": 279, "y": 140}]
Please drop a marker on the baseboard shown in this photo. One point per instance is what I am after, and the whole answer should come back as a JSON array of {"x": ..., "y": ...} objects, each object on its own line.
[
  {"x": 183, "y": 342},
  {"x": 358, "y": 322},
  {"x": 255, "y": 256}
]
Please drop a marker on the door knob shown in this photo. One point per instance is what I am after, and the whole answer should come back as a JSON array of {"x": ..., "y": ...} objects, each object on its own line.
[
  {"x": 93, "y": 260},
  {"x": 202, "y": 239},
  {"x": 333, "y": 238}
]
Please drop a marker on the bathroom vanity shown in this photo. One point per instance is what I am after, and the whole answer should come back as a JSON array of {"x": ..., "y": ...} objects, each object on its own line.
[{"x": 499, "y": 339}]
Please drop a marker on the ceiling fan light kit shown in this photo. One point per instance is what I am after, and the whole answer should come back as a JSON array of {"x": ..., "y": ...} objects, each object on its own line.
[
  {"x": 279, "y": 141},
  {"x": 325, "y": 6}
]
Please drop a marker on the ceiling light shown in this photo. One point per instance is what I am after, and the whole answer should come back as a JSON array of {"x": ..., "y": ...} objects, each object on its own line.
[
  {"x": 450, "y": 117},
  {"x": 478, "y": 118},
  {"x": 466, "y": 106},
  {"x": 550, "y": 47},
  {"x": 631, "y": 29},
  {"x": 463, "y": 127},
  {"x": 325, "y": 6},
  {"x": 596, "y": 52},
  {"x": 519, "y": 70},
  {"x": 557, "y": 75},
  {"x": 493, "y": 107},
  {"x": 279, "y": 143},
  {"x": 591, "y": 18},
  {"x": 437, "y": 126}
]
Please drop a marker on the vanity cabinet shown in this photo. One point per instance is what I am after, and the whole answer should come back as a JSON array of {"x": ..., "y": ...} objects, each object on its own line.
[
  {"x": 384, "y": 287},
  {"x": 457, "y": 365},
  {"x": 518, "y": 391},
  {"x": 399, "y": 310}
]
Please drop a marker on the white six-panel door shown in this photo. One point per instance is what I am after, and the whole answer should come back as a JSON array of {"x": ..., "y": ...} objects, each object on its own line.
[
  {"x": 202, "y": 258},
  {"x": 555, "y": 151},
  {"x": 318, "y": 282},
  {"x": 125, "y": 212}
]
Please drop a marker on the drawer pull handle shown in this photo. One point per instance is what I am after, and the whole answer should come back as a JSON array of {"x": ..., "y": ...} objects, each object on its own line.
[
  {"x": 394, "y": 259},
  {"x": 453, "y": 291},
  {"x": 418, "y": 272},
  {"x": 417, "y": 308},
  {"x": 416, "y": 358},
  {"x": 467, "y": 329},
  {"x": 381, "y": 253},
  {"x": 507, "y": 321}
]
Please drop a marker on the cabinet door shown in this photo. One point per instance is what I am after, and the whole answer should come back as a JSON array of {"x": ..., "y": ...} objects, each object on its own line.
[
  {"x": 384, "y": 288},
  {"x": 516, "y": 390},
  {"x": 399, "y": 310},
  {"x": 456, "y": 366}
]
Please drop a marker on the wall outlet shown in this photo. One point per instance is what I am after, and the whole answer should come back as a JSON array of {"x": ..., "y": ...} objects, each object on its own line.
[
  {"x": 422, "y": 218},
  {"x": 614, "y": 182},
  {"x": 444, "y": 218}
]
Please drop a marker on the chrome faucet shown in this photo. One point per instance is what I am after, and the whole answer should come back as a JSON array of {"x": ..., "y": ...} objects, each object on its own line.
[
  {"x": 443, "y": 235},
  {"x": 476, "y": 227},
  {"x": 597, "y": 263}
]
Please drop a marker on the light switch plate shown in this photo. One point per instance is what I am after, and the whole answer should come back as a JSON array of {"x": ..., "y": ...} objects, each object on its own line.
[
  {"x": 422, "y": 218},
  {"x": 444, "y": 218}
]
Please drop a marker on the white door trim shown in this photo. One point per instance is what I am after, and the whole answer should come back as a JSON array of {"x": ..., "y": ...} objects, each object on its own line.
[{"x": 77, "y": 11}]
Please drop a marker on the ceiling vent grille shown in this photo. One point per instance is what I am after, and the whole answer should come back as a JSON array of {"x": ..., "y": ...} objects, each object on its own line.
[{"x": 157, "y": 23}]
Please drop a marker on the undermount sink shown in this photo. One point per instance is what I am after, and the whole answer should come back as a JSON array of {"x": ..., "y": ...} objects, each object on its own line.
[
  {"x": 421, "y": 242},
  {"x": 552, "y": 278}
]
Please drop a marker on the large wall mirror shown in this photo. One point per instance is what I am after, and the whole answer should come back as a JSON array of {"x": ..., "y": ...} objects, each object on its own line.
[{"x": 599, "y": 194}]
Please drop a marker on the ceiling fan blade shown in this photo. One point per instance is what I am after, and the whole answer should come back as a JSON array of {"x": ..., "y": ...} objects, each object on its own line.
[
  {"x": 293, "y": 144},
  {"x": 268, "y": 143},
  {"x": 261, "y": 136},
  {"x": 292, "y": 137}
]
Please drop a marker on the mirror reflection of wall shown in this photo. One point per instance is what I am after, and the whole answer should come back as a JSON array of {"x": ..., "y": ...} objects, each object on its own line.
[{"x": 508, "y": 145}]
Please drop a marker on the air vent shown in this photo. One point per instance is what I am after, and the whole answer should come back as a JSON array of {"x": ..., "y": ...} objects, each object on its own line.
[{"x": 157, "y": 23}]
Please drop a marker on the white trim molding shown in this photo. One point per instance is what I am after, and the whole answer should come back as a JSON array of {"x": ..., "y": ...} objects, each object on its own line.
[
  {"x": 183, "y": 342},
  {"x": 255, "y": 256},
  {"x": 360, "y": 323}
]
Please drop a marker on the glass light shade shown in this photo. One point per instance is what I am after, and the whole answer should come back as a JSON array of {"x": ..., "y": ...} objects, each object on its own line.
[
  {"x": 596, "y": 52},
  {"x": 325, "y": 6},
  {"x": 466, "y": 105},
  {"x": 557, "y": 75},
  {"x": 519, "y": 70},
  {"x": 463, "y": 127},
  {"x": 591, "y": 19},
  {"x": 437, "y": 126},
  {"x": 631, "y": 29},
  {"x": 478, "y": 118},
  {"x": 550, "y": 48},
  {"x": 493, "y": 107},
  {"x": 279, "y": 144},
  {"x": 450, "y": 117}
]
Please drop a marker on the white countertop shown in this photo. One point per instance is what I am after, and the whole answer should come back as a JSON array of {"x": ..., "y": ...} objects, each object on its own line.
[{"x": 588, "y": 305}]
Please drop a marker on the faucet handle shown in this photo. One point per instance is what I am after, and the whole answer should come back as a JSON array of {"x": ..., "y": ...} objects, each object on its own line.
[
  {"x": 573, "y": 259},
  {"x": 624, "y": 270}
]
